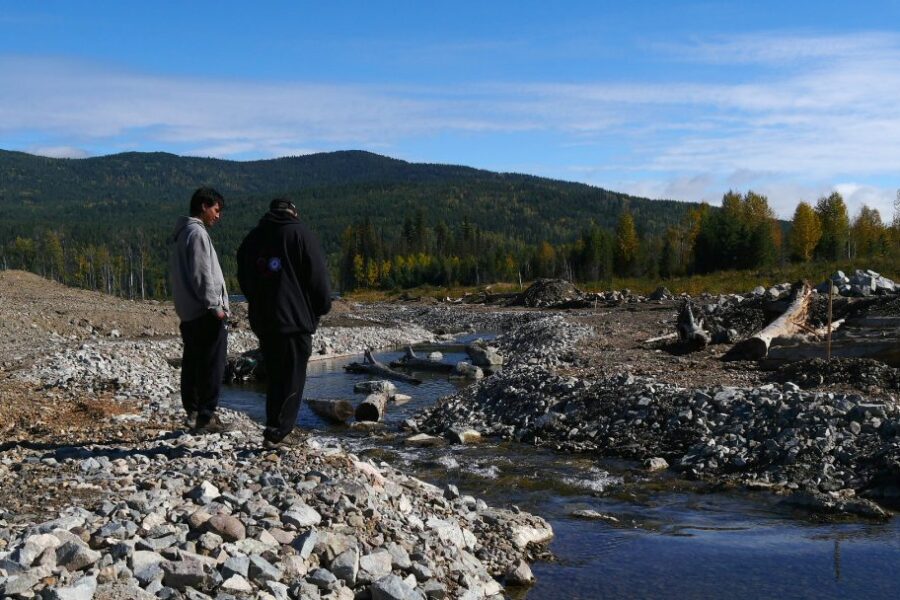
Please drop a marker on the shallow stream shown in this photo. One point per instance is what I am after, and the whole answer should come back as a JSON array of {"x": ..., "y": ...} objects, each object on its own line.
[{"x": 663, "y": 538}]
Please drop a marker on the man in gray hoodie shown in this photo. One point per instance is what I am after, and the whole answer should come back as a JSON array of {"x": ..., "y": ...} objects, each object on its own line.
[{"x": 201, "y": 302}]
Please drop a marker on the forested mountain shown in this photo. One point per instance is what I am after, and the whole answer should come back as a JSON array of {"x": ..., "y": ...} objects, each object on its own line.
[
  {"x": 123, "y": 207},
  {"x": 148, "y": 190}
]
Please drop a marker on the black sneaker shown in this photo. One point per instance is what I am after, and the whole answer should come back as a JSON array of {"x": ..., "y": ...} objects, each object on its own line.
[{"x": 208, "y": 425}]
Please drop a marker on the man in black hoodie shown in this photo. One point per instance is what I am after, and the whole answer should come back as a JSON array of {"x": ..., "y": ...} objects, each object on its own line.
[{"x": 282, "y": 272}]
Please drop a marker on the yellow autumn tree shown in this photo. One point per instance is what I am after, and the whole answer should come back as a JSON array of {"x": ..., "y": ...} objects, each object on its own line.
[
  {"x": 545, "y": 260},
  {"x": 627, "y": 245},
  {"x": 806, "y": 230},
  {"x": 868, "y": 234}
]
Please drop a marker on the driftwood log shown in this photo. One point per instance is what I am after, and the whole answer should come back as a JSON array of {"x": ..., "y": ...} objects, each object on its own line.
[
  {"x": 662, "y": 338},
  {"x": 411, "y": 361},
  {"x": 690, "y": 330},
  {"x": 372, "y": 408},
  {"x": 373, "y": 367},
  {"x": 792, "y": 322},
  {"x": 875, "y": 337},
  {"x": 436, "y": 347},
  {"x": 335, "y": 410}
]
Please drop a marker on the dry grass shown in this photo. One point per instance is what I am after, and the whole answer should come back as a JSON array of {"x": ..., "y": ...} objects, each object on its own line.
[{"x": 722, "y": 282}]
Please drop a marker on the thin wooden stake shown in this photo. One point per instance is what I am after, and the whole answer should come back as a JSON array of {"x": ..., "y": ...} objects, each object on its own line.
[{"x": 828, "y": 342}]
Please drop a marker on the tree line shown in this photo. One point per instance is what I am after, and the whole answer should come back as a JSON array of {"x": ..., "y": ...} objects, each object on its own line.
[{"x": 743, "y": 233}]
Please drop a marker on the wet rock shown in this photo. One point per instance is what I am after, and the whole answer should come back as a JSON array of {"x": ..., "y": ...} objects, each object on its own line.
[
  {"x": 423, "y": 440},
  {"x": 467, "y": 371},
  {"x": 463, "y": 436},
  {"x": 520, "y": 574},
  {"x": 656, "y": 464}
]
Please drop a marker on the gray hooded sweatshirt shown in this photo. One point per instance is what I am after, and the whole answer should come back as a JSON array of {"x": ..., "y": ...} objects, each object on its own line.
[{"x": 197, "y": 280}]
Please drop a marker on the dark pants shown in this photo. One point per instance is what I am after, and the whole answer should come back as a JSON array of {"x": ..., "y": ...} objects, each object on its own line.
[
  {"x": 285, "y": 356},
  {"x": 203, "y": 364}
]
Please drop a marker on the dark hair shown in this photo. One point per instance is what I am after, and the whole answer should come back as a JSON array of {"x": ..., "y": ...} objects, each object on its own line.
[
  {"x": 205, "y": 196},
  {"x": 283, "y": 205}
]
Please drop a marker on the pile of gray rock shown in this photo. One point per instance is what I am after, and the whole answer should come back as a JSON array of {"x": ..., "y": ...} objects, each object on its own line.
[
  {"x": 861, "y": 283},
  {"x": 549, "y": 292},
  {"x": 331, "y": 341},
  {"x": 548, "y": 340},
  {"x": 448, "y": 319},
  {"x": 216, "y": 516},
  {"x": 126, "y": 367},
  {"x": 861, "y": 373}
]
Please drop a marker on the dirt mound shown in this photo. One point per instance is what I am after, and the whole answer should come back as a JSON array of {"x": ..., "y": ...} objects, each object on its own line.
[
  {"x": 743, "y": 316},
  {"x": 547, "y": 292},
  {"x": 861, "y": 373}
]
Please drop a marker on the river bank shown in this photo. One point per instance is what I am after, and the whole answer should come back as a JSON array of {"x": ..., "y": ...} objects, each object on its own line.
[{"x": 103, "y": 494}]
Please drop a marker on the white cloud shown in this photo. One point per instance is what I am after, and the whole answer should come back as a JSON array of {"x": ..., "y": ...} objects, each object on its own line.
[
  {"x": 58, "y": 151},
  {"x": 778, "y": 48},
  {"x": 816, "y": 113}
]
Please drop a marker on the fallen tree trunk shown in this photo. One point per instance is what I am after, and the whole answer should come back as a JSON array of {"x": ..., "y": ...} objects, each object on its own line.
[
  {"x": 792, "y": 322},
  {"x": 411, "y": 361},
  {"x": 373, "y": 367},
  {"x": 438, "y": 347},
  {"x": 886, "y": 350},
  {"x": 875, "y": 337},
  {"x": 661, "y": 338},
  {"x": 335, "y": 410},
  {"x": 372, "y": 408},
  {"x": 690, "y": 330}
]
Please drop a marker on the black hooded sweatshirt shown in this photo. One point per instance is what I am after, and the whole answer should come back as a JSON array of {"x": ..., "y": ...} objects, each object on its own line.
[{"x": 282, "y": 272}]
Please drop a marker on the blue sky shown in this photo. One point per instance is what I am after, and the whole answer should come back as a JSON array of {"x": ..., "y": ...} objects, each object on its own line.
[{"x": 681, "y": 100}]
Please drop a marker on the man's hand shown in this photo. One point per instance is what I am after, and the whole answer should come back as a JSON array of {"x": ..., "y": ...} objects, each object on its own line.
[{"x": 220, "y": 314}]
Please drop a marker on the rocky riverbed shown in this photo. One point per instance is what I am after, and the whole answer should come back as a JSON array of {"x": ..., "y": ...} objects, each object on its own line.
[
  {"x": 829, "y": 451},
  {"x": 103, "y": 494}
]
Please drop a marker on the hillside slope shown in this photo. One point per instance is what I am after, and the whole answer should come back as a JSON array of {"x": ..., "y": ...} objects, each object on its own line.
[{"x": 107, "y": 196}]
